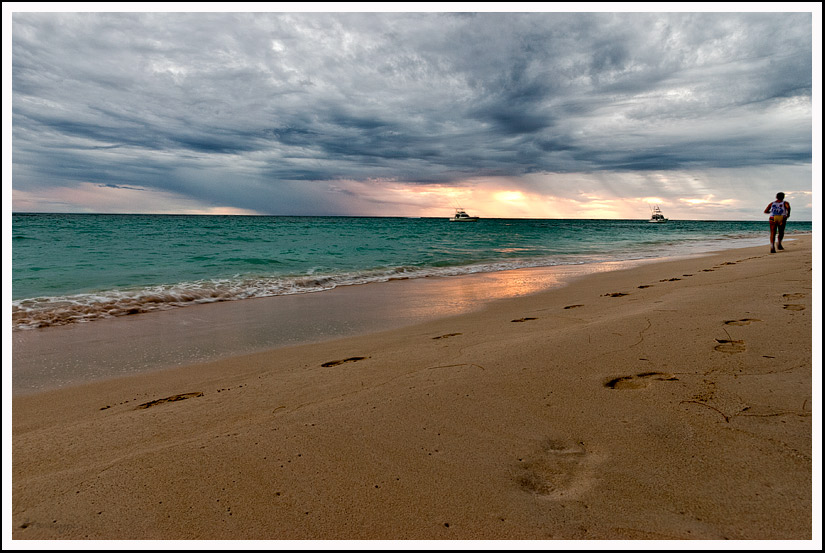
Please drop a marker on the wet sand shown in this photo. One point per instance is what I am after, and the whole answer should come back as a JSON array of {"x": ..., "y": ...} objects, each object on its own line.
[
  {"x": 54, "y": 357},
  {"x": 673, "y": 400}
]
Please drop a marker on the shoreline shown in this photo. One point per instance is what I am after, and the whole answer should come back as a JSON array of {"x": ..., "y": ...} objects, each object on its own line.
[
  {"x": 53, "y": 309},
  {"x": 649, "y": 403},
  {"x": 66, "y": 355},
  {"x": 201, "y": 333}
]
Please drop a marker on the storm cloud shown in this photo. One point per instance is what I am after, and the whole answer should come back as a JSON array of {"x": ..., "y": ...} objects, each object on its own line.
[{"x": 300, "y": 113}]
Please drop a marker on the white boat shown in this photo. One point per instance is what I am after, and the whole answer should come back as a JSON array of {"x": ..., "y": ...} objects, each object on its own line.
[
  {"x": 461, "y": 215},
  {"x": 656, "y": 215}
]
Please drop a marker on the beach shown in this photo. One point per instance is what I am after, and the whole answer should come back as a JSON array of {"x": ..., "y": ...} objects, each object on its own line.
[{"x": 673, "y": 400}]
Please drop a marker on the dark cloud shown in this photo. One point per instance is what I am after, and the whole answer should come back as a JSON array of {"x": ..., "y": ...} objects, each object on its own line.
[
  {"x": 261, "y": 102},
  {"x": 120, "y": 187}
]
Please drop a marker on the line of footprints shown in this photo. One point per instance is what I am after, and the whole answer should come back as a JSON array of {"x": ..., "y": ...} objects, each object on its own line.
[
  {"x": 559, "y": 468},
  {"x": 640, "y": 380}
]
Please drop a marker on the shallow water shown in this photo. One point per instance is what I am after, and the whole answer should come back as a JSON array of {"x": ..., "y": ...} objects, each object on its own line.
[
  {"x": 69, "y": 268},
  {"x": 58, "y": 356}
]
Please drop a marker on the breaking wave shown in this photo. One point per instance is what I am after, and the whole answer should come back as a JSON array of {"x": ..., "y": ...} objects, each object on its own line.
[
  {"x": 40, "y": 312},
  {"x": 55, "y": 311}
]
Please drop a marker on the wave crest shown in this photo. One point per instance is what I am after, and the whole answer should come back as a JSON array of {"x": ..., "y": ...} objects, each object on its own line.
[{"x": 42, "y": 312}]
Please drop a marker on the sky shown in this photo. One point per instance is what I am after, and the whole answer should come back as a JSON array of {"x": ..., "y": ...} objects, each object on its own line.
[{"x": 567, "y": 114}]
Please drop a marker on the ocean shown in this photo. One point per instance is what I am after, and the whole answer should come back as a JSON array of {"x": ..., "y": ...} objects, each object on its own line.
[{"x": 69, "y": 268}]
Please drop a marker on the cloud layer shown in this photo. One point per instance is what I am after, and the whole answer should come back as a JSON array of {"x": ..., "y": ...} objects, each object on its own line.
[{"x": 298, "y": 113}]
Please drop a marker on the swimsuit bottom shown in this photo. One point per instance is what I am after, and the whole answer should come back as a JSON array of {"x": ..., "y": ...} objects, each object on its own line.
[{"x": 777, "y": 219}]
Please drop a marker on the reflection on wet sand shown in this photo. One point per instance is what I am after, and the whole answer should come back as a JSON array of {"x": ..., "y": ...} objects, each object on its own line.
[{"x": 59, "y": 356}]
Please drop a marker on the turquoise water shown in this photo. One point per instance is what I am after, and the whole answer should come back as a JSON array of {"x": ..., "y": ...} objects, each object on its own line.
[{"x": 74, "y": 267}]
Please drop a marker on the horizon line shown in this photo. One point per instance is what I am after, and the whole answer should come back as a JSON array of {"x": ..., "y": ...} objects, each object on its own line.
[{"x": 670, "y": 219}]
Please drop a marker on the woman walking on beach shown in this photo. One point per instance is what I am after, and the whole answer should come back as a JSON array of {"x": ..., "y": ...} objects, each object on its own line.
[{"x": 780, "y": 210}]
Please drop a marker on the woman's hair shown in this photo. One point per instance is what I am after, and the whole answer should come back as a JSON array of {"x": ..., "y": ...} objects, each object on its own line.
[{"x": 780, "y": 196}]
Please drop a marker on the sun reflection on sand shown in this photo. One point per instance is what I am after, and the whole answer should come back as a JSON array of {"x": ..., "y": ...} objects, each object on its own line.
[
  {"x": 438, "y": 297},
  {"x": 204, "y": 332}
]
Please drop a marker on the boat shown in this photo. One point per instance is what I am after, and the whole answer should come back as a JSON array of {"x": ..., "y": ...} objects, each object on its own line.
[
  {"x": 461, "y": 215},
  {"x": 656, "y": 215}
]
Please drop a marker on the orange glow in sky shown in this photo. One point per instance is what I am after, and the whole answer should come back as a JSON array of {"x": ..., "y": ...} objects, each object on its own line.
[
  {"x": 550, "y": 196},
  {"x": 491, "y": 202}
]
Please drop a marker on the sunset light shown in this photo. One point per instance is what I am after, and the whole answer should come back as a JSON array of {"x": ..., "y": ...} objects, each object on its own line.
[
  {"x": 501, "y": 275},
  {"x": 334, "y": 114}
]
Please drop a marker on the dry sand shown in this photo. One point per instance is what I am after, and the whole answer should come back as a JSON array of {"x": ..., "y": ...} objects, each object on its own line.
[{"x": 669, "y": 401}]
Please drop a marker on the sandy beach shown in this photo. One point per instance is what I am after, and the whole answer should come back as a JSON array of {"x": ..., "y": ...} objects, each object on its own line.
[{"x": 670, "y": 401}]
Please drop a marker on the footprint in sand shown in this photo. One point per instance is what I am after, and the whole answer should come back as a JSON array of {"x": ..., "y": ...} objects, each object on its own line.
[
  {"x": 573, "y": 306},
  {"x": 446, "y": 335},
  {"x": 742, "y": 322},
  {"x": 637, "y": 381},
  {"x": 730, "y": 346},
  {"x": 178, "y": 397},
  {"x": 342, "y": 361},
  {"x": 558, "y": 469},
  {"x": 523, "y": 319},
  {"x": 645, "y": 286},
  {"x": 615, "y": 294},
  {"x": 794, "y": 307},
  {"x": 796, "y": 296}
]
